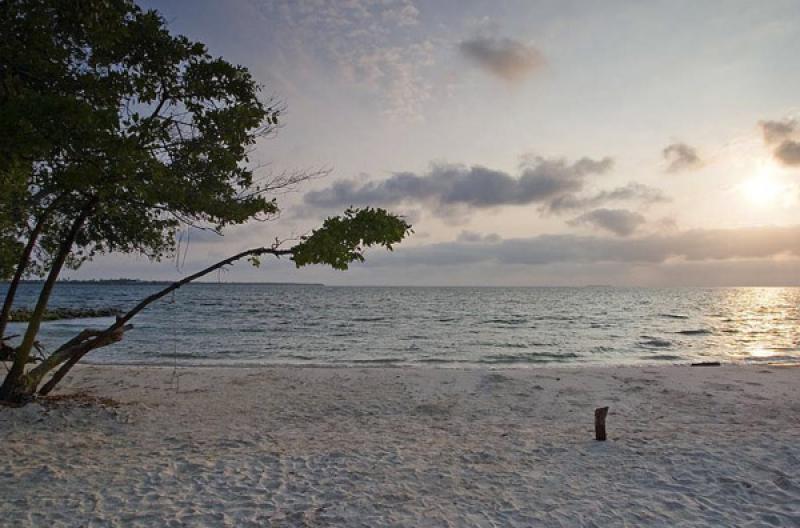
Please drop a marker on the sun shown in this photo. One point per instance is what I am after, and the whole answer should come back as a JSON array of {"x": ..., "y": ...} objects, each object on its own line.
[{"x": 762, "y": 189}]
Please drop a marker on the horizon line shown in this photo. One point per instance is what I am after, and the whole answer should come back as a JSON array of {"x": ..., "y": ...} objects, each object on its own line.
[{"x": 118, "y": 282}]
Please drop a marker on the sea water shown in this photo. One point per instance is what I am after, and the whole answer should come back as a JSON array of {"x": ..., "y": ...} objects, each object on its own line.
[{"x": 223, "y": 323}]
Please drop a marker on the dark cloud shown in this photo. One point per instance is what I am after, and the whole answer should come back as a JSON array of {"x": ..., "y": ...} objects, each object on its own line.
[
  {"x": 543, "y": 182},
  {"x": 680, "y": 157},
  {"x": 777, "y": 131},
  {"x": 785, "y": 134},
  {"x": 788, "y": 152},
  {"x": 506, "y": 58},
  {"x": 618, "y": 221},
  {"x": 694, "y": 245}
]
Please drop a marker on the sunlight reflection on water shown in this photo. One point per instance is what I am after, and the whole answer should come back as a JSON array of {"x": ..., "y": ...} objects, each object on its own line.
[{"x": 765, "y": 322}]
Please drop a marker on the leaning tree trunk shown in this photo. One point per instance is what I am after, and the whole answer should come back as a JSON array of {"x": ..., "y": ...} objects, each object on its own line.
[
  {"x": 17, "y": 386},
  {"x": 71, "y": 352}
]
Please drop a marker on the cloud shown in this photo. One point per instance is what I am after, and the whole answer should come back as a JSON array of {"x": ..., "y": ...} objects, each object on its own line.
[
  {"x": 777, "y": 131},
  {"x": 365, "y": 43},
  {"x": 395, "y": 73},
  {"x": 680, "y": 157},
  {"x": 404, "y": 14},
  {"x": 446, "y": 185},
  {"x": 506, "y": 58},
  {"x": 618, "y": 221},
  {"x": 450, "y": 191},
  {"x": 473, "y": 237},
  {"x": 788, "y": 152},
  {"x": 724, "y": 257},
  {"x": 631, "y": 192},
  {"x": 692, "y": 245},
  {"x": 785, "y": 133}
]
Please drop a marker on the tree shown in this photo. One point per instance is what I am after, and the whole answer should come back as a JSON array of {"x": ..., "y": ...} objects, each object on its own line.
[{"x": 115, "y": 133}]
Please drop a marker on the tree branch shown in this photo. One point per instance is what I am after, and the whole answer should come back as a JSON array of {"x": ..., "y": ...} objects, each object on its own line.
[{"x": 72, "y": 351}]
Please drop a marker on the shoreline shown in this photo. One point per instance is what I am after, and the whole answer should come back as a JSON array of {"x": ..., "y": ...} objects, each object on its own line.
[
  {"x": 406, "y": 446},
  {"x": 445, "y": 365}
]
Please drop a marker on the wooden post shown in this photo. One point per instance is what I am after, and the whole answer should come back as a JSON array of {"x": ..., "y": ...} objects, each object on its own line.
[{"x": 600, "y": 423}]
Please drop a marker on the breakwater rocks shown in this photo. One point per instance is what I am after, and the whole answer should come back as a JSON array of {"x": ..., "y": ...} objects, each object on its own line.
[{"x": 55, "y": 314}]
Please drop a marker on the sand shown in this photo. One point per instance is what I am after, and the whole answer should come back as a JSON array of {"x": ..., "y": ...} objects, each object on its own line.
[{"x": 290, "y": 446}]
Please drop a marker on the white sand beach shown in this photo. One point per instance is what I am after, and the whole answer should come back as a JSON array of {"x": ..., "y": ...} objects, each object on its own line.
[{"x": 290, "y": 446}]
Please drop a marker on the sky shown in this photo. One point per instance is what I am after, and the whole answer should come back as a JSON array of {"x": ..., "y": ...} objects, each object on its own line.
[{"x": 529, "y": 143}]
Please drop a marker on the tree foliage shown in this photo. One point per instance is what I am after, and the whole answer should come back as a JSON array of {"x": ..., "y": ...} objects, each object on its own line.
[
  {"x": 342, "y": 239},
  {"x": 105, "y": 104},
  {"x": 13, "y": 188},
  {"x": 114, "y": 134}
]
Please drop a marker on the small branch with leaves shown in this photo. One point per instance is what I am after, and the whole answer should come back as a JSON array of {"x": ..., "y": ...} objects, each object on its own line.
[{"x": 340, "y": 241}]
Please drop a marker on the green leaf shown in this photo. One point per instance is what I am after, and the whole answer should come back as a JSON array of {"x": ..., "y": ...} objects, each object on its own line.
[{"x": 342, "y": 239}]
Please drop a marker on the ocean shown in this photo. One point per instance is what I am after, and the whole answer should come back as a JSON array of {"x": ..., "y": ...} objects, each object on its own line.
[{"x": 224, "y": 323}]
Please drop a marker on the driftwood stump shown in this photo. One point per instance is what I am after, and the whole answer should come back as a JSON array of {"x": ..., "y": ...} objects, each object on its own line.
[{"x": 600, "y": 423}]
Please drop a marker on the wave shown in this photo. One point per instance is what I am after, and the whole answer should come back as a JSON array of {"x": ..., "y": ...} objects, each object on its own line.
[
  {"x": 662, "y": 357},
  {"x": 783, "y": 349},
  {"x": 376, "y": 361},
  {"x": 510, "y": 345},
  {"x": 700, "y": 331},
  {"x": 557, "y": 318},
  {"x": 673, "y": 316},
  {"x": 776, "y": 359},
  {"x": 505, "y": 321},
  {"x": 654, "y": 342},
  {"x": 529, "y": 357},
  {"x": 301, "y": 357},
  {"x": 440, "y": 360}
]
